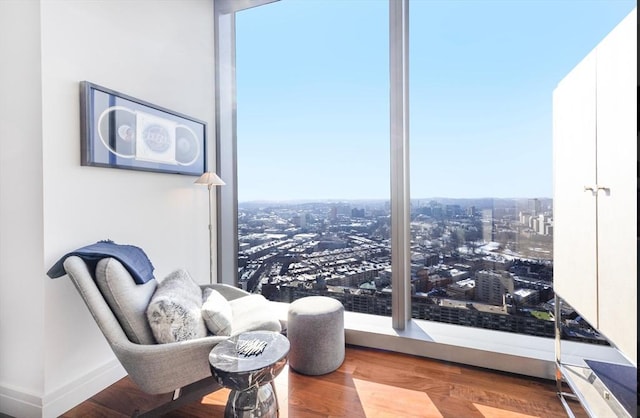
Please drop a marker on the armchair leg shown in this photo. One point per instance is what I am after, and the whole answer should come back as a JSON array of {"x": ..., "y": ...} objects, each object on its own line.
[
  {"x": 182, "y": 396},
  {"x": 176, "y": 394}
]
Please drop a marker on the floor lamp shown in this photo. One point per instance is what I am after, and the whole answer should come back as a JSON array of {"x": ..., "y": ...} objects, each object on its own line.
[{"x": 210, "y": 179}]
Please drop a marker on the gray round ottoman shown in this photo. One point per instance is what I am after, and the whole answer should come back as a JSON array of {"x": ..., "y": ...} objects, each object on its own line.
[{"x": 316, "y": 332}]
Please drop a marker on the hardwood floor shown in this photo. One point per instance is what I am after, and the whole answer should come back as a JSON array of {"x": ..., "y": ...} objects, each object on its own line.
[{"x": 370, "y": 383}]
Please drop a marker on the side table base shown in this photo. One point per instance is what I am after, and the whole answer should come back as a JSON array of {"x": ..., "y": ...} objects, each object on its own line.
[{"x": 260, "y": 402}]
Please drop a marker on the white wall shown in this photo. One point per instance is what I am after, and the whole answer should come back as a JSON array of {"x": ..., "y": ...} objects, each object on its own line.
[
  {"x": 52, "y": 354},
  {"x": 21, "y": 252}
]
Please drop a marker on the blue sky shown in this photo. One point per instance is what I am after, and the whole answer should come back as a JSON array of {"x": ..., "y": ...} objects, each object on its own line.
[{"x": 313, "y": 104}]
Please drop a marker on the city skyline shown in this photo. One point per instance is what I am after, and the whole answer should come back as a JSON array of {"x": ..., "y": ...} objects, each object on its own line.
[
  {"x": 469, "y": 266},
  {"x": 312, "y": 97},
  {"x": 546, "y": 204}
]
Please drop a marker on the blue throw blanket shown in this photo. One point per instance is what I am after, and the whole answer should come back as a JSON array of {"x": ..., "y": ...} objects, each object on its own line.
[{"x": 132, "y": 258}]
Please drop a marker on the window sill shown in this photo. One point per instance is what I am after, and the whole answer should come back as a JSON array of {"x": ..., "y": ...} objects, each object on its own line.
[{"x": 497, "y": 350}]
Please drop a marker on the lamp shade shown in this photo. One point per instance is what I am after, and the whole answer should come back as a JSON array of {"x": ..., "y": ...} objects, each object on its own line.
[{"x": 210, "y": 178}]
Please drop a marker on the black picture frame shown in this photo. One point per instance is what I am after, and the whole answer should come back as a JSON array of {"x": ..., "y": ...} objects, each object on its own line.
[{"x": 119, "y": 131}]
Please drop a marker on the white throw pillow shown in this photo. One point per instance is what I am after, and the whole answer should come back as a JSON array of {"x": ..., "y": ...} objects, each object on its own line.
[
  {"x": 252, "y": 313},
  {"x": 216, "y": 312},
  {"x": 174, "y": 312}
]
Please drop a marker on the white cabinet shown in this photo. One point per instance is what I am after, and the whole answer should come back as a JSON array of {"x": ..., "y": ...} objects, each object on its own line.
[
  {"x": 595, "y": 226},
  {"x": 595, "y": 187}
]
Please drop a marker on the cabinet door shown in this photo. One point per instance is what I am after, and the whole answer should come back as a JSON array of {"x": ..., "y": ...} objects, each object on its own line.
[
  {"x": 616, "y": 140},
  {"x": 574, "y": 209}
]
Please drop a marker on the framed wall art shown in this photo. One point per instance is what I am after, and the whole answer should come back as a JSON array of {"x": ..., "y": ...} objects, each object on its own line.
[{"x": 120, "y": 131}]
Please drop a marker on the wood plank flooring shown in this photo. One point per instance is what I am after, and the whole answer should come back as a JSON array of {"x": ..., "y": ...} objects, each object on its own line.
[{"x": 370, "y": 383}]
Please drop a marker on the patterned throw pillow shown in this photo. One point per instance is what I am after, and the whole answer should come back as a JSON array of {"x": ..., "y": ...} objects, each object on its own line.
[{"x": 174, "y": 312}]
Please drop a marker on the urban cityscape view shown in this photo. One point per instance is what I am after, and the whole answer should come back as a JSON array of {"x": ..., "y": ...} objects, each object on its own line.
[{"x": 484, "y": 263}]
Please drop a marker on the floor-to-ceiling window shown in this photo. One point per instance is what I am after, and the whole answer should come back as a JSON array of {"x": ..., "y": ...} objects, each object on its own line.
[
  {"x": 482, "y": 77},
  {"x": 309, "y": 202},
  {"x": 313, "y": 152}
]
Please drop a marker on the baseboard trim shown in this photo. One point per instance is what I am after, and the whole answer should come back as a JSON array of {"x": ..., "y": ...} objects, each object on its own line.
[
  {"x": 17, "y": 403},
  {"x": 20, "y": 403}
]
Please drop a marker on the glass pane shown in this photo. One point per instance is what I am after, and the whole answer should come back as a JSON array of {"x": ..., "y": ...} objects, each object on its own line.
[
  {"x": 482, "y": 77},
  {"x": 313, "y": 151}
]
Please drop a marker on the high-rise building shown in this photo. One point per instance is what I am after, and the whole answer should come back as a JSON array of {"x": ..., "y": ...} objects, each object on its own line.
[
  {"x": 542, "y": 221},
  {"x": 491, "y": 286},
  {"x": 487, "y": 225},
  {"x": 535, "y": 206}
]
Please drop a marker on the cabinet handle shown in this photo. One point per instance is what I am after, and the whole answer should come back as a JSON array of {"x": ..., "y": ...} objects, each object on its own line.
[{"x": 594, "y": 189}]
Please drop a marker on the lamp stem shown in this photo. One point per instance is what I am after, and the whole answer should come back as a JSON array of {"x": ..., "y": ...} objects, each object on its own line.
[{"x": 210, "y": 237}]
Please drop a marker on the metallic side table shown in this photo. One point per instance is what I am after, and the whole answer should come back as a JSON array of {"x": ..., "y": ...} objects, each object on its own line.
[{"x": 247, "y": 364}]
